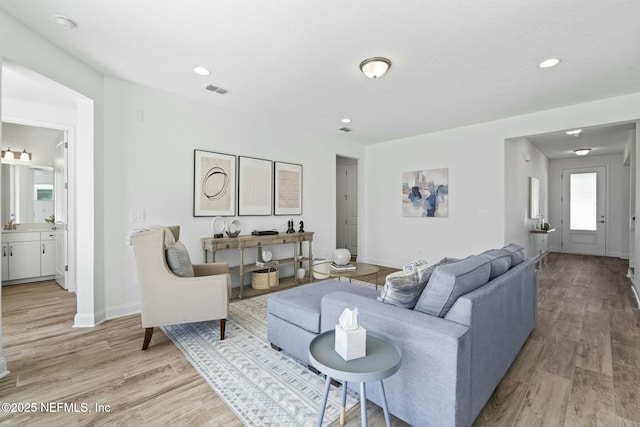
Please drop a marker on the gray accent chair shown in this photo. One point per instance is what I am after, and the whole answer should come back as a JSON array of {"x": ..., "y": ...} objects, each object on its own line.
[
  {"x": 168, "y": 299},
  {"x": 451, "y": 364}
]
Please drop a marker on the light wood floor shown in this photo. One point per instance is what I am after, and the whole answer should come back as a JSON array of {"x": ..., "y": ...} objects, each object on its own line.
[{"x": 581, "y": 365}]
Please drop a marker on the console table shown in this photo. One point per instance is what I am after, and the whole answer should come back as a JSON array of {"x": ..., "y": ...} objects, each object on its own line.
[{"x": 212, "y": 245}]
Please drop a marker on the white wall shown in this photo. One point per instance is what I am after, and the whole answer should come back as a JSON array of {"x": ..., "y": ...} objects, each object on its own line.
[
  {"x": 148, "y": 166},
  {"x": 617, "y": 207},
  {"x": 522, "y": 161},
  {"x": 475, "y": 156}
]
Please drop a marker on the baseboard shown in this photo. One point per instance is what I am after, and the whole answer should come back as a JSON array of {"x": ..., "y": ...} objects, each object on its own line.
[
  {"x": 89, "y": 320},
  {"x": 3, "y": 367},
  {"x": 122, "y": 310}
]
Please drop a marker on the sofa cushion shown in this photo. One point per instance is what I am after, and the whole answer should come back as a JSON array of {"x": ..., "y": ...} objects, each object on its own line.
[
  {"x": 403, "y": 288},
  {"x": 500, "y": 260},
  {"x": 450, "y": 281},
  {"x": 179, "y": 261},
  {"x": 516, "y": 252},
  {"x": 301, "y": 305}
]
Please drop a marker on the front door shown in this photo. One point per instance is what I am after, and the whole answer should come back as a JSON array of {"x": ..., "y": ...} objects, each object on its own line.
[{"x": 584, "y": 210}]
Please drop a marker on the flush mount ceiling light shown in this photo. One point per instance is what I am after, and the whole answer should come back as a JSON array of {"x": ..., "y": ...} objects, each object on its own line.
[
  {"x": 346, "y": 120},
  {"x": 201, "y": 71},
  {"x": 575, "y": 132},
  {"x": 582, "y": 151},
  {"x": 375, "y": 67},
  {"x": 64, "y": 21},
  {"x": 548, "y": 63}
]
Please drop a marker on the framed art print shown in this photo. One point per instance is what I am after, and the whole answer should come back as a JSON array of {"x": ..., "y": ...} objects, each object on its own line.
[
  {"x": 214, "y": 184},
  {"x": 287, "y": 189},
  {"x": 255, "y": 191}
]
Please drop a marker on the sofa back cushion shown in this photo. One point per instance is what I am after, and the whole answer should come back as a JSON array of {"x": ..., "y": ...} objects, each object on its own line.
[
  {"x": 450, "y": 281},
  {"x": 500, "y": 260},
  {"x": 516, "y": 252}
]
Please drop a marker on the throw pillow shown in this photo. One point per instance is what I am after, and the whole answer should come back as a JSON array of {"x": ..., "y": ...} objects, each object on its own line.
[
  {"x": 450, "y": 281},
  {"x": 516, "y": 252},
  {"x": 179, "y": 261},
  {"x": 500, "y": 260},
  {"x": 403, "y": 288}
]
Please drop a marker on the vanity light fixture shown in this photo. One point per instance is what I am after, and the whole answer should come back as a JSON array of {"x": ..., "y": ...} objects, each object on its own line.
[
  {"x": 375, "y": 67},
  {"x": 582, "y": 151},
  {"x": 25, "y": 156},
  {"x": 8, "y": 154},
  {"x": 548, "y": 63},
  {"x": 575, "y": 132}
]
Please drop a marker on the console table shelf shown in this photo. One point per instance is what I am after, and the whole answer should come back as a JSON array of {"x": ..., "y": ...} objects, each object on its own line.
[{"x": 212, "y": 245}]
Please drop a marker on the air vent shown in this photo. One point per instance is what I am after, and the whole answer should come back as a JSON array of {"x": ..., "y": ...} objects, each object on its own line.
[
  {"x": 216, "y": 89},
  {"x": 345, "y": 129}
]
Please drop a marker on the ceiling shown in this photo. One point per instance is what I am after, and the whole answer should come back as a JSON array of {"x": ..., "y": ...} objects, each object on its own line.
[
  {"x": 602, "y": 140},
  {"x": 455, "y": 62}
]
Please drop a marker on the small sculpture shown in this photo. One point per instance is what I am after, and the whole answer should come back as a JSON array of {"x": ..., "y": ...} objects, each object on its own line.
[
  {"x": 301, "y": 227},
  {"x": 290, "y": 228}
]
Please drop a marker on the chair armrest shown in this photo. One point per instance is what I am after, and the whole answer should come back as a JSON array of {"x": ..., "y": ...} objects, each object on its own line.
[{"x": 210, "y": 269}]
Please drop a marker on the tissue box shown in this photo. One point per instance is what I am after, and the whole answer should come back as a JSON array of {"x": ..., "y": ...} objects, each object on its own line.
[{"x": 351, "y": 344}]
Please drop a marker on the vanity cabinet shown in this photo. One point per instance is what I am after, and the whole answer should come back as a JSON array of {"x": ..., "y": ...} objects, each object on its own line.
[
  {"x": 27, "y": 256},
  {"x": 48, "y": 253}
]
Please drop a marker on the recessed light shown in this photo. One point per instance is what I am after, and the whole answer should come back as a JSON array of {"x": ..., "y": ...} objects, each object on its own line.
[
  {"x": 201, "y": 71},
  {"x": 345, "y": 120},
  {"x": 548, "y": 63},
  {"x": 64, "y": 21},
  {"x": 575, "y": 132},
  {"x": 582, "y": 151}
]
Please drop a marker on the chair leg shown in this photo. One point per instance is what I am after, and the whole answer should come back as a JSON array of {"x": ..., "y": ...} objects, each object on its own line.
[
  {"x": 148, "y": 333},
  {"x": 223, "y": 323}
]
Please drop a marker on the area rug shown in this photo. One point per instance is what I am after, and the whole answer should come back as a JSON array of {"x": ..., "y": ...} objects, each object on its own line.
[{"x": 262, "y": 386}]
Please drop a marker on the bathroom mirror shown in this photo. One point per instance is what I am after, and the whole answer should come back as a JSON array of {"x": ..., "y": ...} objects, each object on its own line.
[{"x": 27, "y": 193}]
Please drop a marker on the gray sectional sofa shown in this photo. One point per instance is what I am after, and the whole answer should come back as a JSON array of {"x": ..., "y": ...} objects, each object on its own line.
[{"x": 458, "y": 335}]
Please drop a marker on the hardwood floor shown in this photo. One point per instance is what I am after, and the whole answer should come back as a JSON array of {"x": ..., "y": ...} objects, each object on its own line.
[{"x": 580, "y": 366}]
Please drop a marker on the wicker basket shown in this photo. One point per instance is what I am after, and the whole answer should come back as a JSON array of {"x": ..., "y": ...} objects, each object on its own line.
[{"x": 264, "y": 279}]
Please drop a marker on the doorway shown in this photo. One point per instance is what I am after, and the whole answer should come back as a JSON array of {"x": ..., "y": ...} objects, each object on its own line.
[
  {"x": 347, "y": 204},
  {"x": 584, "y": 196}
]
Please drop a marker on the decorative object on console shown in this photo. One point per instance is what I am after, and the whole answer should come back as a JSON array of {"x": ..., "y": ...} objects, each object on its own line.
[
  {"x": 290, "y": 228},
  {"x": 287, "y": 189},
  {"x": 255, "y": 189},
  {"x": 233, "y": 228},
  {"x": 214, "y": 184},
  {"x": 217, "y": 227},
  {"x": 301, "y": 230},
  {"x": 425, "y": 193},
  {"x": 265, "y": 279},
  {"x": 301, "y": 273},
  {"x": 341, "y": 256}
]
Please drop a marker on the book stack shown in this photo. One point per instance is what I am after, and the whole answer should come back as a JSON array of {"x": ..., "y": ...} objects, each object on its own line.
[{"x": 344, "y": 267}]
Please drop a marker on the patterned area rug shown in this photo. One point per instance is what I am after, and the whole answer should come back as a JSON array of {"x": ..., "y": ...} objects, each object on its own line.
[{"x": 262, "y": 386}]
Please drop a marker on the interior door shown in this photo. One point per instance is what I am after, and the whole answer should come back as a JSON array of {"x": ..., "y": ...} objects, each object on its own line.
[
  {"x": 352, "y": 208},
  {"x": 584, "y": 199},
  {"x": 60, "y": 189}
]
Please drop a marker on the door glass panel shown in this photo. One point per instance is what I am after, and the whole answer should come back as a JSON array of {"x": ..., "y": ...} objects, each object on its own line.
[{"x": 583, "y": 201}]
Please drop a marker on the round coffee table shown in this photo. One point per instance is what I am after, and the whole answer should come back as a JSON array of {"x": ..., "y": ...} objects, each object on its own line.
[
  {"x": 381, "y": 361},
  {"x": 361, "y": 269}
]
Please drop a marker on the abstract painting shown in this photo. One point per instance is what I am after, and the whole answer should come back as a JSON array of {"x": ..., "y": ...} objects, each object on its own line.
[
  {"x": 425, "y": 193},
  {"x": 214, "y": 184},
  {"x": 255, "y": 189}
]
